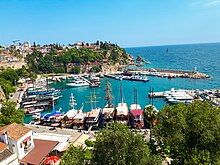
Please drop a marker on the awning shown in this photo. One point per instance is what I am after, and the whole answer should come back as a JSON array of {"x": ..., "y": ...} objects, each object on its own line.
[
  {"x": 61, "y": 146},
  {"x": 41, "y": 149}
]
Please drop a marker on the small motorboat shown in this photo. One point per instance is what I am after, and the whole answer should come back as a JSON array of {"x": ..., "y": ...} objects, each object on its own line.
[{"x": 36, "y": 116}]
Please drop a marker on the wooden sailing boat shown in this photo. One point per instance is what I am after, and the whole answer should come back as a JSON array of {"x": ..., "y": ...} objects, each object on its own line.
[
  {"x": 108, "y": 110},
  {"x": 93, "y": 118},
  {"x": 122, "y": 108},
  {"x": 136, "y": 113},
  {"x": 72, "y": 112}
]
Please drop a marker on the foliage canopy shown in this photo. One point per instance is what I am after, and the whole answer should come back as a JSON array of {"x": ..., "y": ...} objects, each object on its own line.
[
  {"x": 191, "y": 132},
  {"x": 9, "y": 114}
]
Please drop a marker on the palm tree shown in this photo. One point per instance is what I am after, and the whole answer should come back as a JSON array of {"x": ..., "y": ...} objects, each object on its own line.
[{"x": 150, "y": 113}]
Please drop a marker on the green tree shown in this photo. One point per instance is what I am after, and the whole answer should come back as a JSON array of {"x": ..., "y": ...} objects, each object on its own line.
[
  {"x": 10, "y": 75},
  {"x": 191, "y": 131},
  {"x": 23, "y": 72},
  {"x": 73, "y": 156},
  {"x": 95, "y": 69},
  {"x": 7, "y": 87},
  {"x": 149, "y": 116},
  {"x": 65, "y": 59},
  {"x": 9, "y": 114},
  {"x": 76, "y": 70},
  {"x": 118, "y": 145}
]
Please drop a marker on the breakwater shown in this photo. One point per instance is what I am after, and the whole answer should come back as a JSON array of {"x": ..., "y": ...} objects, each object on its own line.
[{"x": 169, "y": 73}]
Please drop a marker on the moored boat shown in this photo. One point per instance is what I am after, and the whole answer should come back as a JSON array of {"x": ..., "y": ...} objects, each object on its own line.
[
  {"x": 108, "y": 110},
  {"x": 78, "y": 83},
  {"x": 136, "y": 119},
  {"x": 72, "y": 112},
  {"x": 122, "y": 108},
  {"x": 94, "y": 117}
]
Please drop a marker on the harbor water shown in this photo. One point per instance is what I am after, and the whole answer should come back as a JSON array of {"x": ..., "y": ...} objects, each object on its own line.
[{"x": 205, "y": 57}]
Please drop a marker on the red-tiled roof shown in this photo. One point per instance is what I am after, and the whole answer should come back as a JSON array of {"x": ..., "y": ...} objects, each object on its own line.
[
  {"x": 15, "y": 131},
  {"x": 3, "y": 146},
  {"x": 41, "y": 149}
]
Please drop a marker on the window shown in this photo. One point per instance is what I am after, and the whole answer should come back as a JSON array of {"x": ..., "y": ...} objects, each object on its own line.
[{"x": 20, "y": 145}]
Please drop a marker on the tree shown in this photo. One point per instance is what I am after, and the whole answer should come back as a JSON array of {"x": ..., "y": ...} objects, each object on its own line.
[
  {"x": 9, "y": 114},
  {"x": 7, "y": 87},
  {"x": 118, "y": 145},
  {"x": 191, "y": 131},
  {"x": 149, "y": 116},
  {"x": 65, "y": 59},
  {"x": 76, "y": 70},
  {"x": 95, "y": 69},
  {"x": 97, "y": 43},
  {"x": 10, "y": 75},
  {"x": 73, "y": 156}
]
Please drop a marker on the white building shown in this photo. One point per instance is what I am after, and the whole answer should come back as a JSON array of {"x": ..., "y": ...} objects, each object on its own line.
[
  {"x": 19, "y": 139},
  {"x": 6, "y": 156}
]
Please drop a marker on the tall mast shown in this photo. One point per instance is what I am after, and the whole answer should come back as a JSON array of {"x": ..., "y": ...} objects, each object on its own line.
[
  {"x": 121, "y": 94},
  {"x": 108, "y": 95},
  {"x": 94, "y": 98},
  {"x": 135, "y": 96},
  {"x": 72, "y": 101}
]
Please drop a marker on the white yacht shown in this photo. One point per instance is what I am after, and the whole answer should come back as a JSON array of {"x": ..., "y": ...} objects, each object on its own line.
[
  {"x": 177, "y": 96},
  {"x": 78, "y": 83}
]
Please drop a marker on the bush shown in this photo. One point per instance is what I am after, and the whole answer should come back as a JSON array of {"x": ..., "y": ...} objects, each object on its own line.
[
  {"x": 95, "y": 69},
  {"x": 76, "y": 70}
]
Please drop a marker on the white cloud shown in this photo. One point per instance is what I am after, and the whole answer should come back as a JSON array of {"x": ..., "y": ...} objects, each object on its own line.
[
  {"x": 213, "y": 3},
  {"x": 205, "y": 3}
]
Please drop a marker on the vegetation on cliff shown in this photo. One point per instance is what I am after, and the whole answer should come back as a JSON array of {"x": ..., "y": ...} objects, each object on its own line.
[
  {"x": 9, "y": 114},
  {"x": 59, "y": 61},
  {"x": 9, "y": 78}
]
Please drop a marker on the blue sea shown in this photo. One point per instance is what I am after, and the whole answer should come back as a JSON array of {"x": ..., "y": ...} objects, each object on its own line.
[{"x": 205, "y": 57}]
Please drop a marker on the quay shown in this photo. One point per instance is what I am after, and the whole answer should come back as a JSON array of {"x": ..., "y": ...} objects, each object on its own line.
[{"x": 169, "y": 73}]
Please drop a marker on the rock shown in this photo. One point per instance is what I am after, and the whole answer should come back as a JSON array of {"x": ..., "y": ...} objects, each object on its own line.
[{"x": 2, "y": 94}]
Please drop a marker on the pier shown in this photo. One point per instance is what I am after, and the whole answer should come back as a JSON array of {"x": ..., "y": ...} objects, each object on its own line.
[{"x": 169, "y": 73}]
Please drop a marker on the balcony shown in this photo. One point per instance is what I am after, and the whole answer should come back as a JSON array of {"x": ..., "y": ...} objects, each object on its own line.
[{"x": 28, "y": 148}]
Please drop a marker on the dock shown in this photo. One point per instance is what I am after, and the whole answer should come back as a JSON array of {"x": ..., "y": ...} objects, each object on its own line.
[{"x": 169, "y": 73}]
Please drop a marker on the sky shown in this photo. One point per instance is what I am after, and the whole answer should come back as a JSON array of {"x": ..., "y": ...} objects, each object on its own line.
[{"x": 129, "y": 23}]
